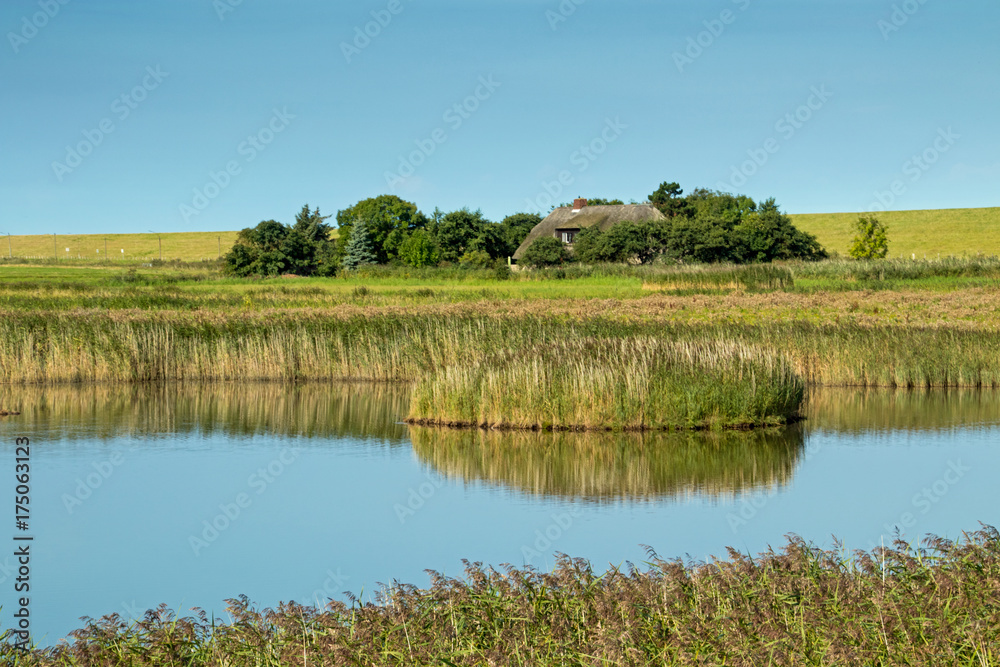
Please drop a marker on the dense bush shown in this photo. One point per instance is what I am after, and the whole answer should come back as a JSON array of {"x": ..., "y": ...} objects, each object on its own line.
[
  {"x": 871, "y": 240},
  {"x": 272, "y": 248},
  {"x": 704, "y": 227},
  {"x": 545, "y": 251}
]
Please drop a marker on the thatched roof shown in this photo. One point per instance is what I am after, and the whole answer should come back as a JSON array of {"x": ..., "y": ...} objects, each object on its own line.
[{"x": 603, "y": 216}]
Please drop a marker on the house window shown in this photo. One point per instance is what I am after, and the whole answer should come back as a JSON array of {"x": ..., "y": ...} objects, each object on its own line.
[{"x": 567, "y": 235}]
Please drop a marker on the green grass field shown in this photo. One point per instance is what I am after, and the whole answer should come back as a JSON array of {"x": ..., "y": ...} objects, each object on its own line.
[
  {"x": 957, "y": 231},
  {"x": 186, "y": 246}
]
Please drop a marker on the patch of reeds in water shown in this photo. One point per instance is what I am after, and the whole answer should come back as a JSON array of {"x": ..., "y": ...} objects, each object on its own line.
[
  {"x": 600, "y": 466},
  {"x": 635, "y": 383},
  {"x": 899, "y": 605}
]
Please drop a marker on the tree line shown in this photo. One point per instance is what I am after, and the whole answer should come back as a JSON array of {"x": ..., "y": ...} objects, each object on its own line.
[{"x": 704, "y": 226}]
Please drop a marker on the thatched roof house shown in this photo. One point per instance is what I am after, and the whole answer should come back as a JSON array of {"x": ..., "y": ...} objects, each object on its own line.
[{"x": 564, "y": 223}]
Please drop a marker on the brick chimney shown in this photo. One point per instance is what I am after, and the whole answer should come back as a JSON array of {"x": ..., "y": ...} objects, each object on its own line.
[{"x": 578, "y": 204}]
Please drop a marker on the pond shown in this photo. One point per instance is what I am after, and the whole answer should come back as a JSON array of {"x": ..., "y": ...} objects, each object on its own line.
[{"x": 192, "y": 494}]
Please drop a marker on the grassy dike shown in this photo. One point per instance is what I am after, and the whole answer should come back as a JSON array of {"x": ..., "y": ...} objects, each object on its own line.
[{"x": 898, "y": 605}]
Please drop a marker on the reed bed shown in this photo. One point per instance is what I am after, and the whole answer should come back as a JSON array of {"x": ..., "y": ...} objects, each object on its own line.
[
  {"x": 900, "y": 269},
  {"x": 721, "y": 278},
  {"x": 608, "y": 467},
  {"x": 898, "y": 605},
  {"x": 397, "y": 345},
  {"x": 635, "y": 383}
]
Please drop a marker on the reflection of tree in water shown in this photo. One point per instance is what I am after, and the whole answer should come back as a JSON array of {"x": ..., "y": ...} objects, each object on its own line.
[
  {"x": 150, "y": 410},
  {"x": 607, "y": 466}
]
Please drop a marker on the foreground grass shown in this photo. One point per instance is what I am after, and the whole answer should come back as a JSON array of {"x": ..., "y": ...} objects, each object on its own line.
[
  {"x": 902, "y": 605},
  {"x": 624, "y": 384}
]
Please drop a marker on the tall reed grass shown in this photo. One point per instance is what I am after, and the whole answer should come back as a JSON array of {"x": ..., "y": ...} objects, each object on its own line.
[
  {"x": 901, "y": 269},
  {"x": 635, "y": 383},
  {"x": 304, "y": 345},
  {"x": 719, "y": 278},
  {"x": 900, "y": 605}
]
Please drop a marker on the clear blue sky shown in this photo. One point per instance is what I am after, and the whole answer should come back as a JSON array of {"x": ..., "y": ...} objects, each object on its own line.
[{"x": 116, "y": 113}]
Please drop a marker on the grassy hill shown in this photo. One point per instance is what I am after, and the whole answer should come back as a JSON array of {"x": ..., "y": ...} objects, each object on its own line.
[
  {"x": 188, "y": 246},
  {"x": 956, "y": 231}
]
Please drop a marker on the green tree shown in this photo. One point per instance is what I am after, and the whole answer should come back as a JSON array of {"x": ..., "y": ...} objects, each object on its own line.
[
  {"x": 601, "y": 201},
  {"x": 455, "y": 232},
  {"x": 667, "y": 199},
  {"x": 272, "y": 248},
  {"x": 476, "y": 259},
  {"x": 360, "y": 249},
  {"x": 588, "y": 246},
  {"x": 545, "y": 251},
  {"x": 766, "y": 234},
  {"x": 258, "y": 251},
  {"x": 871, "y": 240},
  {"x": 419, "y": 249},
  {"x": 312, "y": 225},
  {"x": 627, "y": 241},
  {"x": 389, "y": 221},
  {"x": 517, "y": 226},
  {"x": 492, "y": 241}
]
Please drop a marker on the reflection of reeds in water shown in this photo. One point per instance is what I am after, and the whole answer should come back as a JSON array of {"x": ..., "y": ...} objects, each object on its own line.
[
  {"x": 860, "y": 410},
  {"x": 347, "y": 409},
  {"x": 607, "y": 466}
]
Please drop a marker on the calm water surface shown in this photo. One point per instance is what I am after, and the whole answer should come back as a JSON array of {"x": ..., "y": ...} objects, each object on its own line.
[{"x": 189, "y": 495}]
